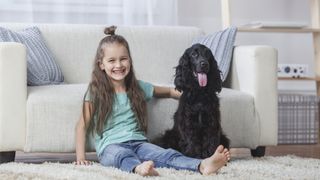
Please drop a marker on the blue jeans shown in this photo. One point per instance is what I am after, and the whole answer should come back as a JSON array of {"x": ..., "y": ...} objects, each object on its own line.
[{"x": 126, "y": 156}]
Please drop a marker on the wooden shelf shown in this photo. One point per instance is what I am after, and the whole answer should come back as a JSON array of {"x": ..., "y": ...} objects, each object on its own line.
[
  {"x": 300, "y": 79},
  {"x": 314, "y": 29},
  {"x": 279, "y": 30}
]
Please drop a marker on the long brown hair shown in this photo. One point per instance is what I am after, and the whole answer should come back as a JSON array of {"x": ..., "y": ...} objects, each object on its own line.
[{"x": 102, "y": 92}]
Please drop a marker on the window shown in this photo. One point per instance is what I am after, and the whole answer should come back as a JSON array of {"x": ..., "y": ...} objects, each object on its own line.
[{"x": 123, "y": 12}]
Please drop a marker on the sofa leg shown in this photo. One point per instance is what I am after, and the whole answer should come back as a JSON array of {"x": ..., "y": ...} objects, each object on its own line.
[
  {"x": 7, "y": 156},
  {"x": 259, "y": 151}
]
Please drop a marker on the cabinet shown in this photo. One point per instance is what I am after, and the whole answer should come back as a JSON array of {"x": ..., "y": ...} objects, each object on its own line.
[{"x": 314, "y": 28}]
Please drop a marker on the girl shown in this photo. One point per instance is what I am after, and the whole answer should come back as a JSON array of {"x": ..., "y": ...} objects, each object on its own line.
[{"x": 114, "y": 110}]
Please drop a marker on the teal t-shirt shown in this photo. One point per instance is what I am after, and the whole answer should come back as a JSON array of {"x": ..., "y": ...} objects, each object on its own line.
[{"x": 122, "y": 124}]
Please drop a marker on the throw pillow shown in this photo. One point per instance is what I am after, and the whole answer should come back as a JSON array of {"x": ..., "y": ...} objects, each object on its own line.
[
  {"x": 41, "y": 66},
  {"x": 221, "y": 44}
]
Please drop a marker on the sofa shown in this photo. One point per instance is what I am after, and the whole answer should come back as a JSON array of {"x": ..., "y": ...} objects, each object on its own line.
[{"x": 43, "y": 118}]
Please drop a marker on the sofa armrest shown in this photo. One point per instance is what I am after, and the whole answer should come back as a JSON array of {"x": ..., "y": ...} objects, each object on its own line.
[
  {"x": 254, "y": 71},
  {"x": 13, "y": 94}
]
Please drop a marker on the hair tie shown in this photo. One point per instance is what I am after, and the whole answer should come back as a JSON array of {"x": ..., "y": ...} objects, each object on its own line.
[{"x": 110, "y": 30}]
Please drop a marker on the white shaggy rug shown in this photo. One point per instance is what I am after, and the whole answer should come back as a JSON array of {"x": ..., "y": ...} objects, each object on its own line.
[{"x": 284, "y": 167}]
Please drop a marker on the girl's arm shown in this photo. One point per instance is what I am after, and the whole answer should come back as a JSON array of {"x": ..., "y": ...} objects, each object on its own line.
[
  {"x": 166, "y": 92},
  {"x": 81, "y": 131}
]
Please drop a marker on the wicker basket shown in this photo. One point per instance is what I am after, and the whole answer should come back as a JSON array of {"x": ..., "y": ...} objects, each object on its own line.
[{"x": 298, "y": 119}]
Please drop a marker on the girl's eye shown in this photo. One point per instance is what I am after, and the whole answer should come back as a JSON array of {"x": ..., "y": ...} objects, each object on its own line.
[
  {"x": 122, "y": 59},
  {"x": 111, "y": 60}
]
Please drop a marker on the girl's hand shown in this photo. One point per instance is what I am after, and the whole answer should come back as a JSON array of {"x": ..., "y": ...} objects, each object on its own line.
[
  {"x": 83, "y": 162},
  {"x": 175, "y": 94}
]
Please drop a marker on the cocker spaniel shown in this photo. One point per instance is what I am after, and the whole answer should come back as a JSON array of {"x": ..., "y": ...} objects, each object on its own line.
[{"x": 197, "y": 130}]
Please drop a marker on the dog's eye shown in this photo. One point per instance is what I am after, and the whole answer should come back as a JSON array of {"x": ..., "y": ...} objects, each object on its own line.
[{"x": 194, "y": 54}]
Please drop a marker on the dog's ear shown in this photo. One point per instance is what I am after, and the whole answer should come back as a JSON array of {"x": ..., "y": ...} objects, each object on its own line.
[
  {"x": 215, "y": 74},
  {"x": 180, "y": 76}
]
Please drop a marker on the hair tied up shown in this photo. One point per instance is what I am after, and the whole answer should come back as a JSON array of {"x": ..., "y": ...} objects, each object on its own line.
[{"x": 110, "y": 30}]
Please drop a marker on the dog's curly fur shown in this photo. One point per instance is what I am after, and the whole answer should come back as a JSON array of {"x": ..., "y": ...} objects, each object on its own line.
[{"x": 197, "y": 130}]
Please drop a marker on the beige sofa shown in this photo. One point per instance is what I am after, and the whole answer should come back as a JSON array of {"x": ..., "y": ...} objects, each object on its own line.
[{"x": 43, "y": 118}]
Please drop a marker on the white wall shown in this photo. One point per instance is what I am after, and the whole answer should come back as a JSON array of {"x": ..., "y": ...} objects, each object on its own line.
[{"x": 292, "y": 48}]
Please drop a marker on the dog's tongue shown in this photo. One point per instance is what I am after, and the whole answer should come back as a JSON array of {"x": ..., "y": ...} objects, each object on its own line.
[{"x": 202, "y": 79}]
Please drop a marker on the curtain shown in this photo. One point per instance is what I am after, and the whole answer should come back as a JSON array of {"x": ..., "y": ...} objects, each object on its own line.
[{"x": 119, "y": 12}]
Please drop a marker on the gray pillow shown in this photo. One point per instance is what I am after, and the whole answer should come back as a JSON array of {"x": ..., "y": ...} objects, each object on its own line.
[
  {"x": 41, "y": 66},
  {"x": 221, "y": 44}
]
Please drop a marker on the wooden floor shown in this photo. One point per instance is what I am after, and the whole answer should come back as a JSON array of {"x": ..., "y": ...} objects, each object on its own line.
[
  {"x": 307, "y": 150},
  {"x": 311, "y": 151}
]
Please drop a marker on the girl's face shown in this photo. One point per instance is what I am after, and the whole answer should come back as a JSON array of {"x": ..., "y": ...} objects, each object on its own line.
[{"x": 116, "y": 62}]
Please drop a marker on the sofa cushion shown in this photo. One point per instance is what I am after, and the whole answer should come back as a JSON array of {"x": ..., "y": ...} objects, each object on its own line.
[
  {"x": 74, "y": 47},
  {"x": 52, "y": 114},
  {"x": 53, "y": 111},
  {"x": 221, "y": 44},
  {"x": 41, "y": 66}
]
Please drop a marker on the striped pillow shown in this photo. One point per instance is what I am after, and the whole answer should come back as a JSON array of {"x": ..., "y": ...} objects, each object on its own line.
[
  {"x": 41, "y": 66},
  {"x": 221, "y": 44}
]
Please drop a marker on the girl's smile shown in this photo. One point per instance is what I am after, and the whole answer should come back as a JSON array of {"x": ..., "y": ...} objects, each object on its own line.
[
  {"x": 116, "y": 62},
  {"x": 119, "y": 71}
]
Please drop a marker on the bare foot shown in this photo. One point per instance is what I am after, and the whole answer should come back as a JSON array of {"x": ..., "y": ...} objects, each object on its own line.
[
  {"x": 213, "y": 163},
  {"x": 227, "y": 153},
  {"x": 146, "y": 169}
]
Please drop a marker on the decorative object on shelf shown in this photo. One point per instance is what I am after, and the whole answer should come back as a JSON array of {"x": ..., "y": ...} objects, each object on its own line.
[{"x": 293, "y": 70}]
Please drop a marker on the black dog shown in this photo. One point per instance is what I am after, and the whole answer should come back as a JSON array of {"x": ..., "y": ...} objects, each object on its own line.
[{"x": 197, "y": 130}]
